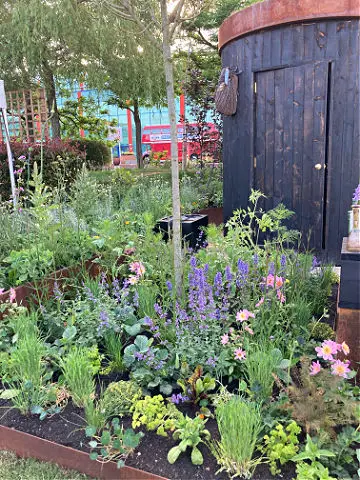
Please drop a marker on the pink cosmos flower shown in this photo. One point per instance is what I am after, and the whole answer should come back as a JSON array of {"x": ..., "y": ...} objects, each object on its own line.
[
  {"x": 335, "y": 347},
  {"x": 279, "y": 282},
  {"x": 340, "y": 368},
  {"x": 244, "y": 315},
  {"x": 2, "y": 290},
  {"x": 239, "y": 354},
  {"x": 225, "y": 339},
  {"x": 133, "y": 279},
  {"x": 270, "y": 279},
  {"x": 345, "y": 348},
  {"x": 325, "y": 352},
  {"x": 12, "y": 296},
  {"x": 260, "y": 302},
  {"x": 281, "y": 296},
  {"x": 315, "y": 368},
  {"x": 137, "y": 268},
  {"x": 249, "y": 330}
]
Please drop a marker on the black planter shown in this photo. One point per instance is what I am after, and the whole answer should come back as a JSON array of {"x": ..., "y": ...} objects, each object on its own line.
[{"x": 191, "y": 227}]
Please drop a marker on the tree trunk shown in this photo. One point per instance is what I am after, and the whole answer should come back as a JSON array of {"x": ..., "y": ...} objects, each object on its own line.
[
  {"x": 53, "y": 113},
  {"x": 137, "y": 120},
  {"x": 176, "y": 211}
]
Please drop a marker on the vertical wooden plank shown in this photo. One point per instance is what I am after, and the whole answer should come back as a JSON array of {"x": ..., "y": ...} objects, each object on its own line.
[
  {"x": 279, "y": 110},
  {"x": 258, "y": 44},
  {"x": 266, "y": 57},
  {"x": 276, "y": 46},
  {"x": 288, "y": 126},
  {"x": 260, "y": 130},
  {"x": 321, "y": 38},
  {"x": 287, "y": 45},
  {"x": 298, "y": 144},
  {"x": 269, "y": 139},
  {"x": 309, "y": 41},
  {"x": 318, "y": 151}
]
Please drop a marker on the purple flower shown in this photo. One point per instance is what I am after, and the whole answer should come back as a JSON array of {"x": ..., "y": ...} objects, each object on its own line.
[
  {"x": 148, "y": 322},
  {"x": 104, "y": 317},
  {"x": 256, "y": 259},
  {"x": 22, "y": 157},
  {"x": 283, "y": 262},
  {"x": 178, "y": 398},
  {"x": 228, "y": 274},
  {"x": 243, "y": 272},
  {"x": 169, "y": 285},
  {"x": 58, "y": 295},
  {"x": 315, "y": 262},
  {"x": 218, "y": 284},
  {"x": 193, "y": 261},
  {"x": 211, "y": 361},
  {"x": 271, "y": 268},
  {"x": 89, "y": 295},
  {"x": 356, "y": 197}
]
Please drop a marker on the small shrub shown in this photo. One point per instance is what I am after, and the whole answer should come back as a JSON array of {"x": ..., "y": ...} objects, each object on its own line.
[
  {"x": 260, "y": 366},
  {"x": 119, "y": 398},
  {"x": 97, "y": 153},
  {"x": 155, "y": 415},
  {"x": 321, "y": 331}
]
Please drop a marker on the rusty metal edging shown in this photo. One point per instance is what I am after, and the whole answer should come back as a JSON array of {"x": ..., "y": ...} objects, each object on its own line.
[
  {"x": 272, "y": 13},
  {"x": 30, "y": 446}
]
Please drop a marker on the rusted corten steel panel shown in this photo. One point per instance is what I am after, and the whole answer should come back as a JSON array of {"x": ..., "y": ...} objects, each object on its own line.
[
  {"x": 29, "y": 446},
  {"x": 271, "y": 13}
]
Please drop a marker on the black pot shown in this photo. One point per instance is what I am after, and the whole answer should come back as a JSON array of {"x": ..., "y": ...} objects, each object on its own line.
[{"x": 191, "y": 227}]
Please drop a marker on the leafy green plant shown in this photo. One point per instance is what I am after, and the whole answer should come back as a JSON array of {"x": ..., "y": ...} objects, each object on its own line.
[
  {"x": 95, "y": 415},
  {"x": 155, "y": 415},
  {"x": 119, "y": 398},
  {"x": 77, "y": 372},
  {"x": 281, "y": 445},
  {"x": 114, "y": 443},
  {"x": 320, "y": 331},
  {"x": 197, "y": 386},
  {"x": 314, "y": 470},
  {"x": 343, "y": 464},
  {"x": 28, "y": 264},
  {"x": 239, "y": 425},
  {"x": 191, "y": 432}
]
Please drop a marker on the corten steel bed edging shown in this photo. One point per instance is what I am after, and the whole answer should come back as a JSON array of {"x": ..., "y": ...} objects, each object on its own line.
[
  {"x": 271, "y": 13},
  {"x": 29, "y": 446}
]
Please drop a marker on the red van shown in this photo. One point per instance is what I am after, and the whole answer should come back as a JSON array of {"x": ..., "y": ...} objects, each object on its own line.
[{"x": 156, "y": 138}]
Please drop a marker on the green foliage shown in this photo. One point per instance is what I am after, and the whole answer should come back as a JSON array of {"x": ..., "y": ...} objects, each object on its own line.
[
  {"x": 260, "y": 365},
  {"x": 97, "y": 153},
  {"x": 114, "y": 443},
  {"x": 197, "y": 386},
  {"x": 154, "y": 414},
  {"x": 119, "y": 398},
  {"x": 26, "y": 374},
  {"x": 239, "y": 424},
  {"x": 314, "y": 470},
  {"x": 113, "y": 351},
  {"x": 343, "y": 464},
  {"x": 322, "y": 401},
  {"x": 320, "y": 331},
  {"x": 28, "y": 264},
  {"x": 77, "y": 371},
  {"x": 281, "y": 445},
  {"x": 94, "y": 414},
  {"x": 191, "y": 432}
]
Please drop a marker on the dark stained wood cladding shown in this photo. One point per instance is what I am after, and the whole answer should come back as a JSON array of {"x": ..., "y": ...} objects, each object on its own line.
[{"x": 305, "y": 112}]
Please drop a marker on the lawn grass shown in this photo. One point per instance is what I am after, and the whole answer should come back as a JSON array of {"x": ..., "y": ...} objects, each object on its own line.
[{"x": 14, "y": 468}]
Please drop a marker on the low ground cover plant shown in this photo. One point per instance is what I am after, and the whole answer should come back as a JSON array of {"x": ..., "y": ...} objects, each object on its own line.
[{"x": 241, "y": 366}]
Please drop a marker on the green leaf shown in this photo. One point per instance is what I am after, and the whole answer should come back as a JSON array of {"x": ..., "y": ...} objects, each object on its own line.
[
  {"x": 105, "y": 438},
  {"x": 93, "y": 443},
  {"x": 173, "y": 454},
  {"x": 166, "y": 388},
  {"x": 93, "y": 455},
  {"x": 120, "y": 463},
  {"x": 36, "y": 410},
  {"x": 131, "y": 439},
  {"x": 285, "y": 363},
  {"x": 132, "y": 330},
  {"x": 90, "y": 431},
  {"x": 69, "y": 333},
  {"x": 196, "y": 456},
  {"x": 8, "y": 394},
  {"x": 142, "y": 343}
]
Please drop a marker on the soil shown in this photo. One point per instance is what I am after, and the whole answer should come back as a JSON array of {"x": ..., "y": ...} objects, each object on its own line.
[{"x": 67, "y": 428}]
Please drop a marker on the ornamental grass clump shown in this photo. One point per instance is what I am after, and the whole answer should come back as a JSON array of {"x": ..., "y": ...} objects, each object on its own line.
[
  {"x": 78, "y": 375},
  {"x": 239, "y": 424},
  {"x": 260, "y": 365}
]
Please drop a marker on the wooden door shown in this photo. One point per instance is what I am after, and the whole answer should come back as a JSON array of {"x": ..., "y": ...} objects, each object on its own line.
[{"x": 290, "y": 144}]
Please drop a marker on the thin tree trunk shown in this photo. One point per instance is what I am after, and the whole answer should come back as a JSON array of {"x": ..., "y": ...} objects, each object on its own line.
[
  {"x": 50, "y": 89},
  {"x": 137, "y": 120},
  {"x": 169, "y": 77}
]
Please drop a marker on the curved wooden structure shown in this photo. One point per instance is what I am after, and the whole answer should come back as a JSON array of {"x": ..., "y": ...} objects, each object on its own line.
[{"x": 295, "y": 135}]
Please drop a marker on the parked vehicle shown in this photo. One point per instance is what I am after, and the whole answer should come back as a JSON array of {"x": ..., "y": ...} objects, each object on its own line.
[{"x": 199, "y": 140}]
